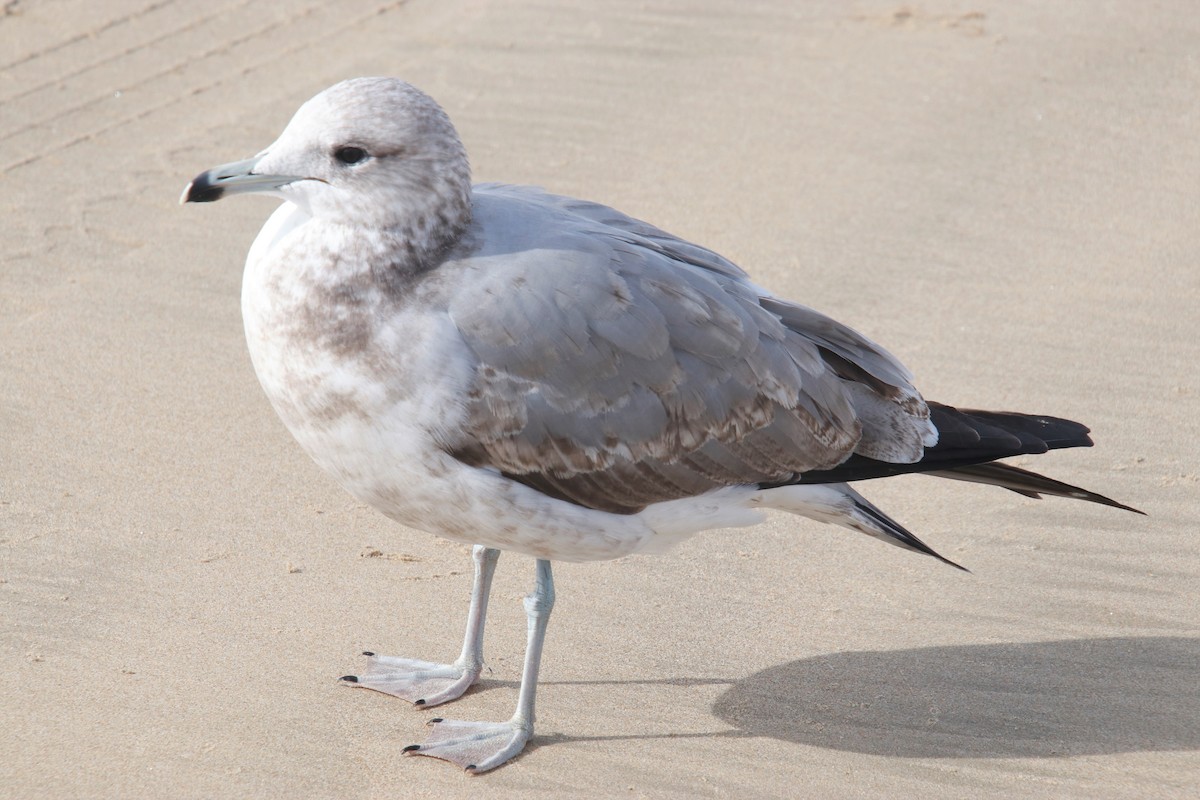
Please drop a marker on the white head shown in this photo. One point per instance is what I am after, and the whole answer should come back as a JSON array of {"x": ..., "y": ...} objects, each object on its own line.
[{"x": 373, "y": 152}]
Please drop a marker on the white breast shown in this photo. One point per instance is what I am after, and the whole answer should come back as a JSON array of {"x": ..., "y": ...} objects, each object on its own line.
[{"x": 377, "y": 420}]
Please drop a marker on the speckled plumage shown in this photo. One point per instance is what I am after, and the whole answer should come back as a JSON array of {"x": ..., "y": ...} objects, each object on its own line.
[
  {"x": 527, "y": 372},
  {"x": 593, "y": 355},
  {"x": 503, "y": 366}
]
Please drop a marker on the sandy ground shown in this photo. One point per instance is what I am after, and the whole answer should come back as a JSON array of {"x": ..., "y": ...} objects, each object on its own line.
[{"x": 1004, "y": 193}]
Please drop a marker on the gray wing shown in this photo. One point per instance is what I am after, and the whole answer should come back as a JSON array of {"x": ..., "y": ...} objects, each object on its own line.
[
  {"x": 624, "y": 226},
  {"x": 617, "y": 366}
]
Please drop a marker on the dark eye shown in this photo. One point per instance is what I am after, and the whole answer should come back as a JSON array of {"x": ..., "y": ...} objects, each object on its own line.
[{"x": 350, "y": 155}]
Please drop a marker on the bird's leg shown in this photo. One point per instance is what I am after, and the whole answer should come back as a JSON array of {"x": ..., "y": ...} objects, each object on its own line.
[
  {"x": 480, "y": 746},
  {"x": 425, "y": 683}
]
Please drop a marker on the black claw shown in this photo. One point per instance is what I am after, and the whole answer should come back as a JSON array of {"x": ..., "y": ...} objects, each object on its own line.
[
  {"x": 367, "y": 653},
  {"x": 349, "y": 678},
  {"x": 411, "y": 747},
  {"x": 420, "y": 702}
]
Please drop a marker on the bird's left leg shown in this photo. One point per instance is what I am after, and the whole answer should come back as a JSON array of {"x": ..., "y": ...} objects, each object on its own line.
[
  {"x": 426, "y": 683},
  {"x": 480, "y": 746}
]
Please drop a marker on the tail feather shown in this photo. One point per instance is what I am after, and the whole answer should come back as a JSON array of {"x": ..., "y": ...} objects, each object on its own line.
[
  {"x": 969, "y": 444},
  {"x": 966, "y": 437}
]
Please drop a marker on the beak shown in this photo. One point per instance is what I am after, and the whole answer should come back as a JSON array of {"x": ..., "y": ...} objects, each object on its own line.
[{"x": 236, "y": 178}]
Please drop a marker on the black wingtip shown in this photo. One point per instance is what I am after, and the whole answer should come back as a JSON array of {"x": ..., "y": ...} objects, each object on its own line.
[
  {"x": 1028, "y": 483},
  {"x": 956, "y": 566},
  {"x": 931, "y": 552},
  {"x": 349, "y": 678},
  {"x": 1092, "y": 497},
  {"x": 901, "y": 535}
]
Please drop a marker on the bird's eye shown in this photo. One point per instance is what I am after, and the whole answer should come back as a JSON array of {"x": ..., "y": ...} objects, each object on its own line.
[{"x": 350, "y": 155}]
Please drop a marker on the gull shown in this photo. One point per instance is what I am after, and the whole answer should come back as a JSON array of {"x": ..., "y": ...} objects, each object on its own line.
[{"x": 525, "y": 372}]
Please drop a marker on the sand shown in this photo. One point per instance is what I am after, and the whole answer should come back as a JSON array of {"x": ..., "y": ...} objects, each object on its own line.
[{"x": 1005, "y": 194}]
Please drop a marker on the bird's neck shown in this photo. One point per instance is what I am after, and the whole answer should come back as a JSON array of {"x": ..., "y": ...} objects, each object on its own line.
[
  {"x": 428, "y": 220},
  {"x": 429, "y": 230}
]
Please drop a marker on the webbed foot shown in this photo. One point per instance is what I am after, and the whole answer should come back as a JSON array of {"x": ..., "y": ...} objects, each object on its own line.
[
  {"x": 422, "y": 683},
  {"x": 474, "y": 746}
]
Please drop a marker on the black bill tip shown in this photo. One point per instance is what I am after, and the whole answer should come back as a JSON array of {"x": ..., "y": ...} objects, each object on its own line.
[{"x": 202, "y": 190}]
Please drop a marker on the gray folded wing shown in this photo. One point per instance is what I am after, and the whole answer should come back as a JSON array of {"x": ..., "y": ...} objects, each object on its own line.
[{"x": 618, "y": 366}]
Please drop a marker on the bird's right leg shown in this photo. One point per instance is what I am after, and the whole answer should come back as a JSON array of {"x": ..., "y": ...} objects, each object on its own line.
[
  {"x": 425, "y": 683},
  {"x": 480, "y": 746}
]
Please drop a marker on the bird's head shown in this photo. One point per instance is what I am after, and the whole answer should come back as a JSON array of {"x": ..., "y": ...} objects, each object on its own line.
[{"x": 372, "y": 152}]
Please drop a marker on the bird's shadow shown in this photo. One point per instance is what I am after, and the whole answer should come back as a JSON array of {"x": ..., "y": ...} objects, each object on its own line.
[
  {"x": 1036, "y": 700},
  {"x": 1010, "y": 700}
]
